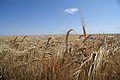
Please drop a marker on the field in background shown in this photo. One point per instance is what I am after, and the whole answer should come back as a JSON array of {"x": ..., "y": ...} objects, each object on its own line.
[{"x": 60, "y": 57}]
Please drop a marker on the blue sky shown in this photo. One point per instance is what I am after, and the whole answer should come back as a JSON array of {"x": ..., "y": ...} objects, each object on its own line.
[{"x": 30, "y": 17}]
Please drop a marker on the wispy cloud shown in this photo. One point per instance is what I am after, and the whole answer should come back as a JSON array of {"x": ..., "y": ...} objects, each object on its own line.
[{"x": 71, "y": 10}]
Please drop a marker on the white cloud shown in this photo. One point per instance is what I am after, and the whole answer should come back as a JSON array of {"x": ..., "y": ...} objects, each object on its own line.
[{"x": 71, "y": 10}]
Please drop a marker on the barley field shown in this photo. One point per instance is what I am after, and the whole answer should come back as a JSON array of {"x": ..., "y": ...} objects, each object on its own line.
[{"x": 60, "y": 57}]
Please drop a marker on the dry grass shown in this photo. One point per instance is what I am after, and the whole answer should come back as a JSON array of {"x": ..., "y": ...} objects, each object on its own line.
[{"x": 60, "y": 57}]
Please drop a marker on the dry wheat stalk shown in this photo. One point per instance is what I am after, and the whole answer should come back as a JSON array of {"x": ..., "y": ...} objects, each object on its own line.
[{"x": 66, "y": 41}]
